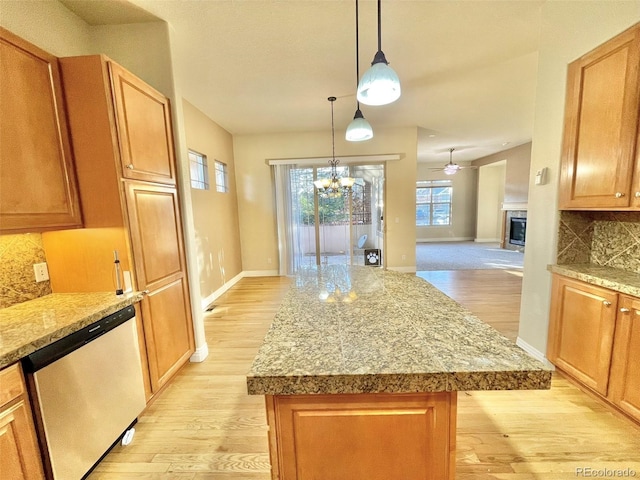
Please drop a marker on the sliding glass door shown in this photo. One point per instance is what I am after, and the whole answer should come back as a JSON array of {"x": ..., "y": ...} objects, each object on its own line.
[{"x": 314, "y": 229}]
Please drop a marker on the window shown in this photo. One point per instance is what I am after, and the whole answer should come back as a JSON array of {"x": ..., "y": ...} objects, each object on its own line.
[
  {"x": 433, "y": 202},
  {"x": 222, "y": 180},
  {"x": 199, "y": 170}
]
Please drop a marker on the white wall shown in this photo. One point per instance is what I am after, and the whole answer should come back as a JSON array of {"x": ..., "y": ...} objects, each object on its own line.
[
  {"x": 569, "y": 30},
  {"x": 256, "y": 206},
  {"x": 491, "y": 183},
  {"x": 463, "y": 205}
]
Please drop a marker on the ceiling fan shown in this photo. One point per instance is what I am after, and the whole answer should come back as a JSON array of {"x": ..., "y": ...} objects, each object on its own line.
[{"x": 451, "y": 168}]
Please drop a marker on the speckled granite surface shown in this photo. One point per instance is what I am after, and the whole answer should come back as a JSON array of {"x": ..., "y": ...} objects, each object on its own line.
[
  {"x": 366, "y": 330},
  {"x": 18, "y": 253},
  {"x": 615, "y": 279},
  {"x": 28, "y": 326}
]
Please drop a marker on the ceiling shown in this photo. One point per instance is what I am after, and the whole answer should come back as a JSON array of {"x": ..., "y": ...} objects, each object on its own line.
[{"x": 467, "y": 68}]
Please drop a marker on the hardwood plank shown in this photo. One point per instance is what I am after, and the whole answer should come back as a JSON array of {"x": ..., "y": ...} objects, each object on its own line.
[{"x": 205, "y": 427}]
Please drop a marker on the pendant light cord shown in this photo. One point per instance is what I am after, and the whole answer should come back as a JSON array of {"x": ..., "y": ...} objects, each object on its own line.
[
  {"x": 379, "y": 29},
  {"x": 357, "y": 55},
  {"x": 333, "y": 137}
]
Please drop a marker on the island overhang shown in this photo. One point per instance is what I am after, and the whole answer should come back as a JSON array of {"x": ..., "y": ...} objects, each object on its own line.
[{"x": 352, "y": 330}]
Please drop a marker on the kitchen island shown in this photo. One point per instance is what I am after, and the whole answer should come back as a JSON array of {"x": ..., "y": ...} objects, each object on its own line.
[{"x": 361, "y": 368}]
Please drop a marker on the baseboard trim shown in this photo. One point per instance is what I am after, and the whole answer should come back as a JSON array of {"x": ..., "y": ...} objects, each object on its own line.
[
  {"x": 200, "y": 354},
  {"x": 211, "y": 298},
  {"x": 486, "y": 240},
  {"x": 448, "y": 239},
  {"x": 261, "y": 273},
  {"x": 534, "y": 352}
]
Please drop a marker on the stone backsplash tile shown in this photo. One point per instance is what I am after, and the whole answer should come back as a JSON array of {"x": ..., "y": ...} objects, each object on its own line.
[
  {"x": 575, "y": 236},
  {"x": 610, "y": 239},
  {"x": 18, "y": 253}
]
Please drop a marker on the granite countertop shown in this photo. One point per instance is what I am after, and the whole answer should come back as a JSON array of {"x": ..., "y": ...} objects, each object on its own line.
[
  {"x": 28, "y": 326},
  {"x": 347, "y": 329},
  {"x": 615, "y": 279}
]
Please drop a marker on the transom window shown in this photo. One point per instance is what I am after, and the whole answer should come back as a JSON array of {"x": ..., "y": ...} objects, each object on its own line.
[
  {"x": 433, "y": 203},
  {"x": 222, "y": 179},
  {"x": 199, "y": 170}
]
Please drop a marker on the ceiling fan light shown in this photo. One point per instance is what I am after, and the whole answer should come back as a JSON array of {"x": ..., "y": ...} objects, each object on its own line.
[
  {"x": 451, "y": 169},
  {"x": 359, "y": 129},
  {"x": 380, "y": 84}
]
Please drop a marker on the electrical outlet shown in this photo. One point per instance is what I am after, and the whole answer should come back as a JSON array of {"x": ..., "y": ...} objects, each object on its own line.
[
  {"x": 269, "y": 260},
  {"x": 41, "y": 271},
  {"x": 404, "y": 257}
]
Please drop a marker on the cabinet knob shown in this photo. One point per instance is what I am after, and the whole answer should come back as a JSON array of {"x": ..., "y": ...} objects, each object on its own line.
[
  {"x": 606, "y": 304},
  {"x": 130, "y": 167},
  {"x": 619, "y": 194},
  {"x": 637, "y": 194},
  {"x": 625, "y": 310},
  {"x": 146, "y": 292}
]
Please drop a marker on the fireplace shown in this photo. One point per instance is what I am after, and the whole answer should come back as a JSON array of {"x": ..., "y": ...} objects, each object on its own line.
[{"x": 517, "y": 230}]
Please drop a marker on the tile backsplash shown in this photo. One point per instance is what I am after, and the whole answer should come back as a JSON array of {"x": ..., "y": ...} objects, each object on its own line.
[
  {"x": 610, "y": 239},
  {"x": 18, "y": 253}
]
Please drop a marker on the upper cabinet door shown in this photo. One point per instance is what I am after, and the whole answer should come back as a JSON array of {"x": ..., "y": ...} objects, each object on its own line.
[
  {"x": 38, "y": 188},
  {"x": 601, "y": 125},
  {"x": 144, "y": 128}
]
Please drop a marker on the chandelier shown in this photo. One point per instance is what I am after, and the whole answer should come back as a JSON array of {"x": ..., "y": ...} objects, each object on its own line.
[{"x": 334, "y": 186}]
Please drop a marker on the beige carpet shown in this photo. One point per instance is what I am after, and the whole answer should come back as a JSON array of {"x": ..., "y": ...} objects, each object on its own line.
[{"x": 466, "y": 256}]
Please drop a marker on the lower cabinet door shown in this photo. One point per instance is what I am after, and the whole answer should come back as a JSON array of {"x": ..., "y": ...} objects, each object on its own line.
[
  {"x": 582, "y": 324},
  {"x": 168, "y": 331},
  {"x": 19, "y": 453},
  {"x": 624, "y": 390}
]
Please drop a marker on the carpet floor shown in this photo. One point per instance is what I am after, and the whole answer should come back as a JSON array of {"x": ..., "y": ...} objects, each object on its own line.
[{"x": 466, "y": 256}]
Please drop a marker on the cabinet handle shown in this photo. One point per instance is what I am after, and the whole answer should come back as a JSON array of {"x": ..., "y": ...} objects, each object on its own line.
[
  {"x": 606, "y": 304},
  {"x": 619, "y": 194},
  {"x": 625, "y": 310},
  {"x": 146, "y": 292},
  {"x": 130, "y": 167}
]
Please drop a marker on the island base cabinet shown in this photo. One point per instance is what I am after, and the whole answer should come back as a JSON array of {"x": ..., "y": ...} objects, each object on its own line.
[{"x": 362, "y": 436}]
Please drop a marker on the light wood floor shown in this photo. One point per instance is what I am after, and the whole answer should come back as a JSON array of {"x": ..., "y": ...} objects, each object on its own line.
[{"x": 204, "y": 426}]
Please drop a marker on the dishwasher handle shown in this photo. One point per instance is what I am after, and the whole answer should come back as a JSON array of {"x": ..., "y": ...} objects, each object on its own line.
[{"x": 49, "y": 354}]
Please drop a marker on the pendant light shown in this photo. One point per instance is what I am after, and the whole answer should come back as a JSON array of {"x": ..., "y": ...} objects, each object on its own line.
[
  {"x": 359, "y": 129},
  {"x": 334, "y": 186},
  {"x": 380, "y": 84}
]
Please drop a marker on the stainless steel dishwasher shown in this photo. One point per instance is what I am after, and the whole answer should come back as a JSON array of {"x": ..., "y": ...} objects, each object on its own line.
[{"x": 87, "y": 390}]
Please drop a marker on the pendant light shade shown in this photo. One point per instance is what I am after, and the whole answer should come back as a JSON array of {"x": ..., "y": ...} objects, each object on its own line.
[
  {"x": 380, "y": 84},
  {"x": 359, "y": 129}
]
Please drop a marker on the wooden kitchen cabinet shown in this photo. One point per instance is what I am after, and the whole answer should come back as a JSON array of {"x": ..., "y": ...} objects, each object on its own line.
[
  {"x": 38, "y": 188},
  {"x": 408, "y": 436},
  {"x": 144, "y": 129},
  {"x": 117, "y": 120},
  {"x": 624, "y": 388},
  {"x": 599, "y": 153},
  {"x": 156, "y": 238},
  {"x": 581, "y": 328},
  {"x": 19, "y": 452}
]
